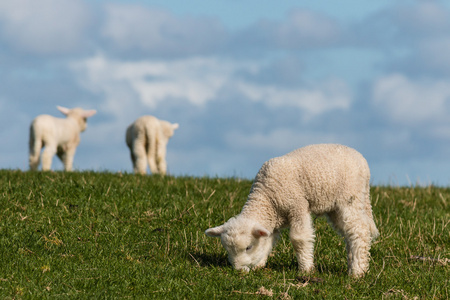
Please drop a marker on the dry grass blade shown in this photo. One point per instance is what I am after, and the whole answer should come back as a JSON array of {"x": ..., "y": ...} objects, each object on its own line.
[{"x": 442, "y": 261}]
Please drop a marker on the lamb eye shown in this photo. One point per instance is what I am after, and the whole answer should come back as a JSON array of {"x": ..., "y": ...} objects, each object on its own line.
[{"x": 249, "y": 248}]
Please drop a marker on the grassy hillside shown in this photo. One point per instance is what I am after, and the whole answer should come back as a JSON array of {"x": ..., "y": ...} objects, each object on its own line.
[{"x": 102, "y": 235}]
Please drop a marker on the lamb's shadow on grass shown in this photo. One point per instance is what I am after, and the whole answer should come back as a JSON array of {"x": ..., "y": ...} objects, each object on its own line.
[
  {"x": 207, "y": 259},
  {"x": 220, "y": 260},
  {"x": 319, "y": 269}
]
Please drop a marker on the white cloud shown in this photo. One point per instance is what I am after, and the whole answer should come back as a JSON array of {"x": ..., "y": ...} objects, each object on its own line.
[
  {"x": 426, "y": 17},
  {"x": 433, "y": 54},
  {"x": 279, "y": 140},
  {"x": 301, "y": 29},
  {"x": 415, "y": 37},
  {"x": 199, "y": 80},
  {"x": 305, "y": 28},
  {"x": 196, "y": 80},
  {"x": 154, "y": 31},
  {"x": 412, "y": 102},
  {"x": 322, "y": 97},
  {"x": 45, "y": 26}
]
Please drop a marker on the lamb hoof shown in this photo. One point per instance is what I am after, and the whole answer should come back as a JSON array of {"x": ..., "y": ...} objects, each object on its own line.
[{"x": 357, "y": 274}]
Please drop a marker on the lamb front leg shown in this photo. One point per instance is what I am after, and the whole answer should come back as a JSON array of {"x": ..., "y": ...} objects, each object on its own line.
[
  {"x": 67, "y": 159},
  {"x": 302, "y": 239},
  {"x": 47, "y": 156}
]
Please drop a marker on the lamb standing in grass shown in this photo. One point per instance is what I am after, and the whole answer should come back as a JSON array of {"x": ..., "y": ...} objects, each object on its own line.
[
  {"x": 320, "y": 179},
  {"x": 58, "y": 136},
  {"x": 147, "y": 139}
]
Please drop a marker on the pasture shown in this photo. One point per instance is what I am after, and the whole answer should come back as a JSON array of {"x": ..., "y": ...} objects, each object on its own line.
[{"x": 102, "y": 235}]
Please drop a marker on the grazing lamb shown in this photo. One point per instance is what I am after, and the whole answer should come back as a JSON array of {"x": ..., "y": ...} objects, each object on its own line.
[
  {"x": 147, "y": 138},
  {"x": 58, "y": 136},
  {"x": 320, "y": 179}
]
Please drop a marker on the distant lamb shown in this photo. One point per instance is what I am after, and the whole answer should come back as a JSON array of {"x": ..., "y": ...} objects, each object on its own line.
[
  {"x": 147, "y": 138},
  {"x": 320, "y": 179},
  {"x": 58, "y": 136}
]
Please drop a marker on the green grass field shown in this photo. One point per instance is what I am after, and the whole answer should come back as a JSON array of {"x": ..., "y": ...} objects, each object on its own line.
[{"x": 103, "y": 235}]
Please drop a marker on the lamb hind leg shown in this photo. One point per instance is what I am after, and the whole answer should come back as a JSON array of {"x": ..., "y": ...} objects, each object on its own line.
[
  {"x": 161, "y": 156},
  {"x": 374, "y": 233},
  {"x": 152, "y": 164},
  {"x": 357, "y": 242},
  {"x": 140, "y": 161},
  {"x": 35, "y": 152},
  {"x": 161, "y": 165},
  {"x": 302, "y": 238},
  {"x": 151, "y": 157},
  {"x": 353, "y": 225}
]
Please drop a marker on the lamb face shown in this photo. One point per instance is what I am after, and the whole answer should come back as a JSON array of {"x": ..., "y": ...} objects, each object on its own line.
[
  {"x": 247, "y": 242},
  {"x": 79, "y": 114}
]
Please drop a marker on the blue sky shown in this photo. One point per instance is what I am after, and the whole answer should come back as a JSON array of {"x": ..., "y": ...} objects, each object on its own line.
[{"x": 246, "y": 80}]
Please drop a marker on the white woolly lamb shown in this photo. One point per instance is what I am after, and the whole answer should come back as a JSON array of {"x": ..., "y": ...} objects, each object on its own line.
[
  {"x": 320, "y": 179},
  {"x": 59, "y": 136},
  {"x": 147, "y": 138}
]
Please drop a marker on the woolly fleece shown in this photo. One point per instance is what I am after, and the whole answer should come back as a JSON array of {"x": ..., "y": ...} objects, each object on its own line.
[
  {"x": 58, "y": 136},
  {"x": 324, "y": 179},
  {"x": 147, "y": 139}
]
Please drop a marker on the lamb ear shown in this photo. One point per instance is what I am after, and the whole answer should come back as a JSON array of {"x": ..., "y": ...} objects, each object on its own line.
[
  {"x": 215, "y": 231},
  {"x": 62, "y": 109},
  {"x": 259, "y": 231},
  {"x": 175, "y": 126},
  {"x": 89, "y": 113}
]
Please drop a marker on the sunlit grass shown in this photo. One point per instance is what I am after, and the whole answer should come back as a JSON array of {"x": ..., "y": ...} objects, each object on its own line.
[{"x": 103, "y": 235}]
